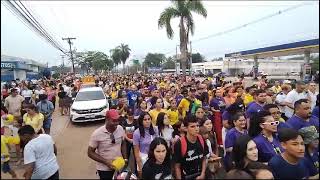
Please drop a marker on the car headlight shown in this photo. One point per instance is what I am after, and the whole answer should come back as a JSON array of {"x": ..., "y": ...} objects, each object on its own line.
[
  {"x": 73, "y": 110},
  {"x": 103, "y": 107}
]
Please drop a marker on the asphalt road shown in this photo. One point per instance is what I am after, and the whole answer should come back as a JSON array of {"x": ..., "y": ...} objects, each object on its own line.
[{"x": 72, "y": 143}]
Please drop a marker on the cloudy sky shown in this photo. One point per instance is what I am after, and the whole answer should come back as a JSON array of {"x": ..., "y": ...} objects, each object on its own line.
[{"x": 103, "y": 25}]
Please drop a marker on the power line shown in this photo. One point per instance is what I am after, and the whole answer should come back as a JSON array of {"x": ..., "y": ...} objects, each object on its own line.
[
  {"x": 247, "y": 24},
  {"x": 31, "y": 23},
  {"x": 252, "y": 22},
  {"x": 27, "y": 12}
]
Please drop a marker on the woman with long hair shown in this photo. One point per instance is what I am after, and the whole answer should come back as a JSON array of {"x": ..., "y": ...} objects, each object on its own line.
[
  {"x": 142, "y": 138},
  {"x": 142, "y": 107},
  {"x": 263, "y": 129},
  {"x": 232, "y": 135},
  {"x": 33, "y": 118},
  {"x": 158, "y": 164},
  {"x": 164, "y": 127},
  {"x": 244, "y": 151}
]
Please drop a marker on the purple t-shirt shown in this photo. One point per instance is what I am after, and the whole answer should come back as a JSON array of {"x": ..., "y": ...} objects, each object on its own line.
[
  {"x": 252, "y": 109},
  {"x": 232, "y": 136},
  {"x": 297, "y": 123},
  {"x": 227, "y": 116},
  {"x": 144, "y": 142},
  {"x": 218, "y": 103},
  {"x": 265, "y": 149}
]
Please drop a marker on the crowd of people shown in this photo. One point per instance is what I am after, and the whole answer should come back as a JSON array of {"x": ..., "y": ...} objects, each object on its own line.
[{"x": 175, "y": 127}]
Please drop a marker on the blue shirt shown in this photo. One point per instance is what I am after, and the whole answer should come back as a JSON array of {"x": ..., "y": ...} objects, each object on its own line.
[
  {"x": 227, "y": 116},
  {"x": 265, "y": 148},
  {"x": 297, "y": 123},
  {"x": 46, "y": 107},
  {"x": 252, "y": 109},
  {"x": 218, "y": 103},
  {"x": 315, "y": 112},
  {"x": 232, "y": 136},
  {"x": 132, "y": 98},
  {"x": 281, "y": 169},
  {"x": 313, "y": 162},
  {"x": 283, "y": 125}
]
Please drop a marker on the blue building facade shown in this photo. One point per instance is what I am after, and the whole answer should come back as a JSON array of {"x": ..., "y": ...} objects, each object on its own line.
[{"x": 19, "y": 68}]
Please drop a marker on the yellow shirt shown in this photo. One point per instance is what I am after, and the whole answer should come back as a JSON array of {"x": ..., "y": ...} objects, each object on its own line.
[
  {"x": 276, "y": 90},
  {"x": 36, "y": 121},
  {"x": 114, "y": 94},
  {"x": 154, "y": 115},
  {"x": 173, "y": 116},
  {"x": 5, "y": 156},
  {"x": 248, "y": 98},
  {"x": 184, "y": 105}
]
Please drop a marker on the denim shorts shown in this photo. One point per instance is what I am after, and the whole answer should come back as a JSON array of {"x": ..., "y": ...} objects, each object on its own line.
[
  {"x": 47, "y": 123},
  {"x": 6, "y": 167}
]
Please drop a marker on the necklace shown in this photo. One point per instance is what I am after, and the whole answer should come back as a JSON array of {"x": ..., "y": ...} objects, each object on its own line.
[{"x": 275, "y": 148}]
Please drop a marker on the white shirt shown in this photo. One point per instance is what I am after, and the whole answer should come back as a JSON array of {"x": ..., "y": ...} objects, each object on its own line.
[
  {"x": 313, "y": 98},
  {"x": 40, "y": 151},
  {"x": 292, "y": 97},
  {"x": 280, "y": 99},
  {"x": 26, "y": 93},
  {"x": 167, "y": 134},
  {"x": 67, "y": 89}
]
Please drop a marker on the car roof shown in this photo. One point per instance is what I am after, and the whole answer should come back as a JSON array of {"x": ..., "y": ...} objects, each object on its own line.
[{"x": 84, "y": 89}]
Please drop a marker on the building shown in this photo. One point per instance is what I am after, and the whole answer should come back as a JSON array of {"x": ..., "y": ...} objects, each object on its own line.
[
  {"x": 239, "y": 66},
  {"x": 19, "y": 68}
]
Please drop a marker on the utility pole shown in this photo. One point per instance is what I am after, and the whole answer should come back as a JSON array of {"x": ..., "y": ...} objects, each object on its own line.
[
  {"x": 71, "y": 56},
  {"x": 62, "y": 56}
]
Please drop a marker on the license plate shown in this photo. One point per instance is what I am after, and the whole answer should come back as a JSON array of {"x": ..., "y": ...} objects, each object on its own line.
[{"x": 90, "y": 116}]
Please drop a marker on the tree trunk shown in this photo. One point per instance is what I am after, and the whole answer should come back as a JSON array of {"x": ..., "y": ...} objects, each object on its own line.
[
  {"x": 123, "y": 68},
  {"x": 183, "y": 47}
]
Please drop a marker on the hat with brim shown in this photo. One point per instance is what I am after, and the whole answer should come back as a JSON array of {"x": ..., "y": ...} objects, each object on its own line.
[{"x": 309, "y": 134}]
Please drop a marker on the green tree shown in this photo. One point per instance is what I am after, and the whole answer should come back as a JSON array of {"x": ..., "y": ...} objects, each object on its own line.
[
  {"x": 183, "y": 10},
  {"x": 154, "y": 59},
  {"x": 124, "y": 53},
  {"x": 197, "y": 58},
  {"x": 116, "y": 56},
  {"x": 101, "y": 62},
  {"x": 170, "y": 63}
]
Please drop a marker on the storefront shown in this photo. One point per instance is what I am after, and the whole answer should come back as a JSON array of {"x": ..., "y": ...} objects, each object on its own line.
[{"x": 19, "y": 68}]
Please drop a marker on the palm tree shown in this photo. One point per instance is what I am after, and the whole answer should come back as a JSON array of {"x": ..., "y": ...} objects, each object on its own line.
[
  {"x": 124, "y": 54},
  {"x": 182, "y": 9},
  {"x": 115, "y": 56}
]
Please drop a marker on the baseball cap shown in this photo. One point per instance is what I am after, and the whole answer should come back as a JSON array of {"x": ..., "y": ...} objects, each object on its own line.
[
  {"x": 309, "y": 134},
  {"x": 113, "y": 115}
]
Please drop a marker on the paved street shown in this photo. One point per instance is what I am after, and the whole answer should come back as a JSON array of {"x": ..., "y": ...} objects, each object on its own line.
[{"x": 72, "y": 143}]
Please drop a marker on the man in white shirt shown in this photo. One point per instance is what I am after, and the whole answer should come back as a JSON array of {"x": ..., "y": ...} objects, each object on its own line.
[
  {"x": 39, "y": 154},
  {"x": 293, "y": 96},
  {"x": 280, "y": 99},
  {"x": 27, "y": 94},
  {"x": 313, "y": 94}
]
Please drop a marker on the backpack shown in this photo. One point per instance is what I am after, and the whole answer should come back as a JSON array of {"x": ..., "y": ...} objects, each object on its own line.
[{"x": 183, "y": 141}]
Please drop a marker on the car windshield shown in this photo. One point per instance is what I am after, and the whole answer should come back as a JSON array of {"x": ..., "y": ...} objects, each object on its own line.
[{"x": 89, "y": 95}]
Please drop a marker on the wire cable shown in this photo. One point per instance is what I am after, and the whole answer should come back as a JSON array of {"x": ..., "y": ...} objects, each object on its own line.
[{"x": 252, "y": 22}]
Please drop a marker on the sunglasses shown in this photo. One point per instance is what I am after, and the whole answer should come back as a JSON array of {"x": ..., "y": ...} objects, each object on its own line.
[
  {"x": 113, "y": 140},
  {"x": 275, "y": 123}
]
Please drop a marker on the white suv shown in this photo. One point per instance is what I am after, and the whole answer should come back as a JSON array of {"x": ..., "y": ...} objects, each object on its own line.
[{"x": 90, "y": 104}]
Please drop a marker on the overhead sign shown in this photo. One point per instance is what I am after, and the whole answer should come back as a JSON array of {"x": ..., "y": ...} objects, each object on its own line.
[{"x": 155, "y": 69}]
